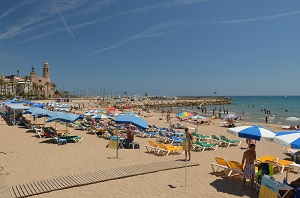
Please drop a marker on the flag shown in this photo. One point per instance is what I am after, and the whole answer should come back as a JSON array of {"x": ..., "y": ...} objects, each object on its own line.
[{"x": 125, "y": 93}]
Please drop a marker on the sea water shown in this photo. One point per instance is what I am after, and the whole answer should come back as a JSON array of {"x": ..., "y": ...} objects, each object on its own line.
[{"x": 284, "y": 110}]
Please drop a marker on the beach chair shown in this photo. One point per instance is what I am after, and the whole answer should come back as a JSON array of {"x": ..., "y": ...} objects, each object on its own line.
[
  {"x": 230, "y": 142},
  {"x": 235, "y": 167},
  {"x": 218, "y": 141},
  {"x": 168, "y": 148},
  {"x": 179, "y": 126},
  {"x": 204, "y": 146},
  {"x": 203, "y": 137},
  {"x": 280, "y": 164},
  {"x": 267, "y": 157},
  {"x": 151, "y": 147},
  {"x": 172, "y": 125},
  {"x": 39, "y": 133},
  {"x": 221, "y": 163}
]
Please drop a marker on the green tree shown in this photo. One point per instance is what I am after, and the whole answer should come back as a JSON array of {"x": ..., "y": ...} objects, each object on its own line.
[{"x": 47, "y": 84}]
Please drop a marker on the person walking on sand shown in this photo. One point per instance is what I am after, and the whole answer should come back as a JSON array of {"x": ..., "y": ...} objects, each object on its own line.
[
  {"x": 266, "y": 119},
  {"x": 189, "y": 136},
  {"x": 249, "y": 170}
]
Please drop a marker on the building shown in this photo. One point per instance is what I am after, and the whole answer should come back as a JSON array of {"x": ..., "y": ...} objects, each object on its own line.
[
  {"x": 42, "y": 85},
  {"x": 33, "y": 85}
]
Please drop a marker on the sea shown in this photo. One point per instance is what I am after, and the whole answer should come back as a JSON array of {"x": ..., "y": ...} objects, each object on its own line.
[{"x": 281, "y": 110}]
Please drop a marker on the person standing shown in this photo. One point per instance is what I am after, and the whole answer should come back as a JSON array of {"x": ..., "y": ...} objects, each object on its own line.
[
  {"x": 189, "y": 136},
  {"x": 266, "y": 119},
  {"x": 249, "y": 157}
]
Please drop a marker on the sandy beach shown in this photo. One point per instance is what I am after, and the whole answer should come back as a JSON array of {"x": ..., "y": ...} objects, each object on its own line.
[{"x": 26, "y": 158}]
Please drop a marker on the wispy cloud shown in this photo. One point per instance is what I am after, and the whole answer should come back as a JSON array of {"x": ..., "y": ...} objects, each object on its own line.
[
  {"x": 86, "y": 7},
  {"x": 42, "y": 11},
  {"x": 34, "y": 38},
  {"x": 155, "y": 31},
  {"x": 64, "y": 21},
  {"x": 262, "y": 18},
  {"x": 171, "y": 27},
  {"x": 16, "y": 7}
]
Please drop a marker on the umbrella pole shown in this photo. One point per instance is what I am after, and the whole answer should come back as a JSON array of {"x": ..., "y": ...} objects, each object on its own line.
[{"x": 117, "y": 150}]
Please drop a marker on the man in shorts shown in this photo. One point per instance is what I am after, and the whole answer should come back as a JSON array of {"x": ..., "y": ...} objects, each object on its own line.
[{"x": 249, "y": 157}]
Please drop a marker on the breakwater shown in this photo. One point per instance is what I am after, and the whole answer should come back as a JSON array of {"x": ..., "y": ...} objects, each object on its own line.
[{"x": 174, "y": 103}]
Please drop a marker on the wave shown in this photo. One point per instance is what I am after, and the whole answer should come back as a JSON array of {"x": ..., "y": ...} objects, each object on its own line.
[{"x": 293, "y": 119}]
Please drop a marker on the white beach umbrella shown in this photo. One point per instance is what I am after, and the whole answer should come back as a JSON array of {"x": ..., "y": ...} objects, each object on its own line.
[
  {"x": 287, "y": 138},
  {"x": 253, "y": 132},
  {"x": 197, "y": 117}
]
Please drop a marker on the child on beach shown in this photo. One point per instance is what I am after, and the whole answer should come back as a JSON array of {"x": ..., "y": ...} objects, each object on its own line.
[{"x": 249, "y": 170}]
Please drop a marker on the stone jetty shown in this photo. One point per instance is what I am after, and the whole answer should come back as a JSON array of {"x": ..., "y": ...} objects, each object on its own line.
[{"x": 173, "y": 103}]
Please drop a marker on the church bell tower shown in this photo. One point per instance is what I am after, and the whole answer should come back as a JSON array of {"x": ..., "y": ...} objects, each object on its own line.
[{"x": 46, "y": 71}]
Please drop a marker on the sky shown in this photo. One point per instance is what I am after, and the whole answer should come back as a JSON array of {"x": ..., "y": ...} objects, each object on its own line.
[{"x": 162, "y": 47}]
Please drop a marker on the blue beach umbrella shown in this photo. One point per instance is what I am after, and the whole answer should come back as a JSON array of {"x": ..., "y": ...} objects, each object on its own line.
[
  {"x": 64, "y": 117},
  {"x": 131, "y": 119},
  {"x": 290, "y": 138},
  {"x": 253, "y": 132}
]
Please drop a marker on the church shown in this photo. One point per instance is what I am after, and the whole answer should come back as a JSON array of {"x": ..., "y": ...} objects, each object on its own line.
[{"x": 43, "y": 83}]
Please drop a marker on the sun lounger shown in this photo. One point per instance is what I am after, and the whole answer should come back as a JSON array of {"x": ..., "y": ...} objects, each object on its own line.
[
  {"x": 204, "y": 146},
  {"x": 152, "y": 147},
  {"x": 230, "y": 142},
  {"x": 280, "y": 164},
  {"x": 179, "y": 126},
  {"x": 267, "y": 157},
  {"x": 218, "y": 141},
  {"x": 221, "y": 163},
  {"x": 235, "y": 167},
  {"x": 168, "y": 148}
]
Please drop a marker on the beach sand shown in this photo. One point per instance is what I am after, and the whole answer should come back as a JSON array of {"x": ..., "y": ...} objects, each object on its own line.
[{"x": 25, "y": 158}]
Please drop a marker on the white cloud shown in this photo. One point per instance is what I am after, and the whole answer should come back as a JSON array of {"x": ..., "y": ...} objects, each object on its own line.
[
  {"x": 42, "y": 11},
  {"x": 262, "y": 18}
]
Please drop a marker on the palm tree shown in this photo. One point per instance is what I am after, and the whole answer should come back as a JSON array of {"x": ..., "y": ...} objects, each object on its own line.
[
  {"x": 34, "y": 87},
  {"x": 18, "y": 89},
  {"x": 27, "y": 85},
  {"x": 12, "y": 83},
  {"x": 47, "y": 85},
  {"x": 41, "y": 88},
  {"x": 1, "y": 86}
]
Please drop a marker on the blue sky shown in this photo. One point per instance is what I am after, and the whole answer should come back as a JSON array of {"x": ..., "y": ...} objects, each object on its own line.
[{"x": 162, "y": 47}]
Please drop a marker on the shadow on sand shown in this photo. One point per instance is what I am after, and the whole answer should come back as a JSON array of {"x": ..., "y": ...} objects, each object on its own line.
[
  {"x": 47, "y": 141},
  {"x": 233, "y": 186}
]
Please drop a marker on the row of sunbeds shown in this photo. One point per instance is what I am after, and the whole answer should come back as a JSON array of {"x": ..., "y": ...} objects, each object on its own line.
[
  {"x": 164, "y": 149},
  {"x": 50, "y": 132},
  {"x": 230, "y": 166}
]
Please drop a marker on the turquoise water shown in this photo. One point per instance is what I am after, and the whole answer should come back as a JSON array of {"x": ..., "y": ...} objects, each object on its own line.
[{"x": 284, "y": 110}]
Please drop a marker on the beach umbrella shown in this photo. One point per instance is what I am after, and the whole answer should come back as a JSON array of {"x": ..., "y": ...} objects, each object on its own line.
[
  {"x": 102, "y": 116},
  {"x": 253, "y": 132},
  {"x": 89, "y": 114},
  {"x": 64, "y": 117},
  {"x": 229, "y": 116},
  {"x": 110, "y": 109},
  {"x": 197, "y": 117},
  {"x": 130, "y": 119},
  {"x": 287, "y": 138},
  {"x": 185, "y": 114}
]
